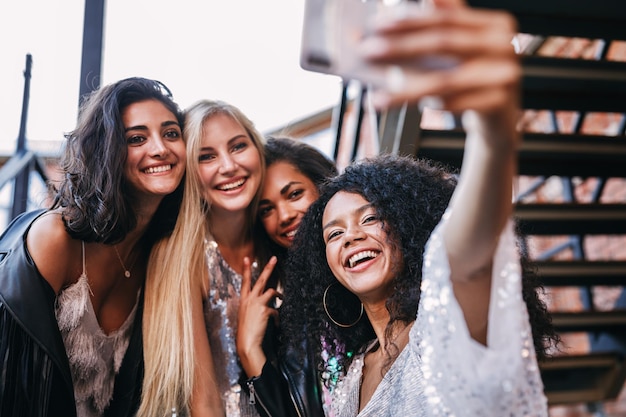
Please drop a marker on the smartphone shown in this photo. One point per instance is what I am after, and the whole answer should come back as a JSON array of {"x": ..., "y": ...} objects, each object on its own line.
[{"x": 332, "y": 29}]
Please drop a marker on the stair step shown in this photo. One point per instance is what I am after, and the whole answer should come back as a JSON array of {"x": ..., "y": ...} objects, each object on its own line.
[
  {"x": 583, "y": 378},
  {"x": 581, "y": 273},
  {"x": 613, "y": 321},
  {"x": 540, "y": 153},
  {"x": 573, "y": 84},
  {"x": 583, "y": 18},
  {"x": 571, "y": 219}
]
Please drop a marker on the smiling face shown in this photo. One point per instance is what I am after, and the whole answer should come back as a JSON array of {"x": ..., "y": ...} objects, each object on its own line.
[
  {"x": 358, "y": 250},
  {"x": 155, "y": 163},
  {"x": 229, "y": 165},
  {"x": 286, "y": 196}
]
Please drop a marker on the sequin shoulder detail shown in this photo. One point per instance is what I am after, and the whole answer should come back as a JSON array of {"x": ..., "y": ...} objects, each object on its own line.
[{"x": 461, "y": 376}]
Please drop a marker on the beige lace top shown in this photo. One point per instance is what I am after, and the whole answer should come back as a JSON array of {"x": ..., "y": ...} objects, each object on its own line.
[{"x": 94, "y": 356}]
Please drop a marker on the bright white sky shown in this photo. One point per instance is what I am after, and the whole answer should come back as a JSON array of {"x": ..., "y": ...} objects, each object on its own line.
[{"x": 242, "y": 51}]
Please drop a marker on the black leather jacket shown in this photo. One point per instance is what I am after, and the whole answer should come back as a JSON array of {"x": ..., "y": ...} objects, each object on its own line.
[
  {"x": 35, "y": 379},
  {"x": 288, "y": 386}
]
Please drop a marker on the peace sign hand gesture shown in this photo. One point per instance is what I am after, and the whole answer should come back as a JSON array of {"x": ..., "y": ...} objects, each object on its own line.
[{"x": 254, "y": 312}]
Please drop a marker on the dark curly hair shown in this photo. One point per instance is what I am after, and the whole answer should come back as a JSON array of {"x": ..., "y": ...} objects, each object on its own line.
[
  {"x": 93, "y": 195},
  {"x": 410, "y": 196}
]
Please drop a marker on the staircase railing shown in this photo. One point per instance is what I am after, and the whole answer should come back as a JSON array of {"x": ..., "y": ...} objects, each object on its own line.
[
  {"x": 17, "y": 170},
  {"x": 579, "y": 87}
]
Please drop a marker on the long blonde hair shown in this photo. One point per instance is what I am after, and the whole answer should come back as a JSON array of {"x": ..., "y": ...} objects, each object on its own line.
[{"x": 176, "y": 269}]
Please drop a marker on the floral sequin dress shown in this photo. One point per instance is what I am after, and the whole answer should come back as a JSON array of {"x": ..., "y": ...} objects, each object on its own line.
[
  {"x": 442, "y": 371},
  {"x": 220, "y": 314}
]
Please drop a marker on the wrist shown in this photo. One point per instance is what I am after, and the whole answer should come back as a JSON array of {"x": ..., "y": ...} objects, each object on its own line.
[
  {"x": 252, "y": 362},
  {"x": 497, "y": 129}
]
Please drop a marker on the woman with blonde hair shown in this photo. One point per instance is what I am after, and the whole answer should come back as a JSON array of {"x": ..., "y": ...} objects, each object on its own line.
[{"x": 198, "y": 270}]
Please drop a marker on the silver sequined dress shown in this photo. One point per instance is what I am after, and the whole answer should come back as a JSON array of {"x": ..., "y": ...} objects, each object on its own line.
[
  {"x": 442, "y": 371},
  {"x": 220, "y": 314}
]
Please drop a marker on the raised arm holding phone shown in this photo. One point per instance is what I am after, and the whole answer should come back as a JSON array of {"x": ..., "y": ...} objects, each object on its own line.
[{"x": 432, "y": 335}]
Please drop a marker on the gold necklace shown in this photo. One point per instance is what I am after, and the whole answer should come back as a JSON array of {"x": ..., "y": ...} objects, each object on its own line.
[{"x": 126, "y": 271}]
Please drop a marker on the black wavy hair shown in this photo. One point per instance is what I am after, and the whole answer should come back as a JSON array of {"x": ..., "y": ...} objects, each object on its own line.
[
  {"x": 410, "y": 196},
  {"x": 305, "y": 158},
  {"x": 93, "y": 195}
]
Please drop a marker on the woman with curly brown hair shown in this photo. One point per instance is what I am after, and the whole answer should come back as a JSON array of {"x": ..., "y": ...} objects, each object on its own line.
[
  {"x": 422, "y": 312},
  {"x": 409, "y": 278}
]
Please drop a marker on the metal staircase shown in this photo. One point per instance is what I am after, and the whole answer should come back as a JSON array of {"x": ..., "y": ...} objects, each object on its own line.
[
  {"x": 553, "y": 86},
  {"x": 583, "y": 86},
  {"x": 560, "y": 88}
]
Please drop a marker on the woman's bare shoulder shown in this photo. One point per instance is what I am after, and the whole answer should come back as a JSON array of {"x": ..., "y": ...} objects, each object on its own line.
[{"x": 52, "y": 249}]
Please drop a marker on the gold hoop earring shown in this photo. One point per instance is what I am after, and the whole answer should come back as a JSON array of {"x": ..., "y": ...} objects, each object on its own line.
[{"x": 331, "y": 317}]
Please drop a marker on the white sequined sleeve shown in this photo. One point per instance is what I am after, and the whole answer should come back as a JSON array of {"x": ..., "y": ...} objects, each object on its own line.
[{"x": 461, "y": 376}]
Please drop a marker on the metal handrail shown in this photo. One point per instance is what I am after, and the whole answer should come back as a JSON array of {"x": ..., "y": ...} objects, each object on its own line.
[
  {"x": 19, "y": 167},
  {"x": 21, "y": 163}
]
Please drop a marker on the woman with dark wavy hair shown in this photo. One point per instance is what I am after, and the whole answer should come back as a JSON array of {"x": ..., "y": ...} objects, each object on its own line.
[
  {"x": 72, "y": 276},
  {"x": 295, "y": 172}
]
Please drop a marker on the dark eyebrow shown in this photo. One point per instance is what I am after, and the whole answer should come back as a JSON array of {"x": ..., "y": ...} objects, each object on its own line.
[
  {"x": 286, "y": 187},
  {"x": 138, "y": 127},
  {"x": 170, "y": 123},
  {"x": 144, "y": 127},
  {"x": 282, "y": 192},
  {"x": 358, "y": 211}
]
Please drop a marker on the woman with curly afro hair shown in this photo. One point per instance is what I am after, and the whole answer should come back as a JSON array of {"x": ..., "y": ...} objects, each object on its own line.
[
  {"x": 407, "y": 277},
  {"x": 362, "y": 276}
]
